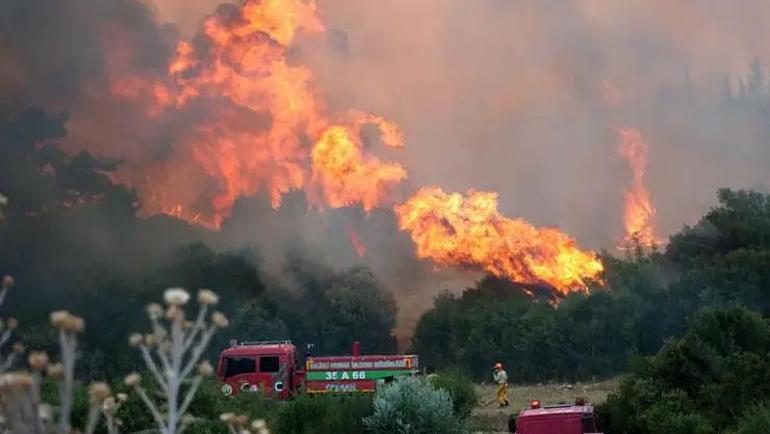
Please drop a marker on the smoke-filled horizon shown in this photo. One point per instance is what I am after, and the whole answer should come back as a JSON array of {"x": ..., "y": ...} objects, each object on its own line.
[{"x": 524, "y": 99}]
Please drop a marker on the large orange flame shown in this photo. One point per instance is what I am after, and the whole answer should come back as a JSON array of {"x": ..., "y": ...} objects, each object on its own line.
[
  {"x": 259, "y": 125},
  {"x": 346, "y": 175},
  {"x": 253, "y": 122},
  {"x": 453, "y": 230},
  {"x": 639, "y": 214}
]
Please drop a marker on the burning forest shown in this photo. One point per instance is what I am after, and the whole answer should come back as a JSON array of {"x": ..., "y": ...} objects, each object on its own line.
[
  {"x": 528, "y": 181},
  {"x": 260, "y": 125}
]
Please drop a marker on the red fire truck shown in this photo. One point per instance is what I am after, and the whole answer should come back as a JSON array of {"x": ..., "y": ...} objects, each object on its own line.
[
  {"x": 272, "y": 368},
  {"x": 575, "y": 418}
]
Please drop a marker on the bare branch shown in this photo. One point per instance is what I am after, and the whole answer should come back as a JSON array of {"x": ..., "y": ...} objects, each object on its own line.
[
  {"x": 198, "y": 351},
  {"x": 153, "y": 367},
  {"x": 190, "y": 394},
  {"x": 150, "y": 406}
]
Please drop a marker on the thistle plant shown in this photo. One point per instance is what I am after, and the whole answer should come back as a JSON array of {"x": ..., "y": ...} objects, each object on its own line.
[
  {"x": 172, "y": 353},
  {"x": 68, "y": 326},
  {"x": 21, "y": 408}
]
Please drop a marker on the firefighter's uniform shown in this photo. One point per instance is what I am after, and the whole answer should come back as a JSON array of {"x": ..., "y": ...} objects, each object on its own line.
[{"x": 501, "y": 379}]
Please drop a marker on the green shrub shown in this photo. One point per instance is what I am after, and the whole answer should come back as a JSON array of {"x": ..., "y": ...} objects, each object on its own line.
[
  {"x": 332, "y": 414},
  {"x": 755, "y": 421},
  {"x": 460, "y": 389},
  {"x": 699, "y": 383},
  {"x": 413, "y": 406}
]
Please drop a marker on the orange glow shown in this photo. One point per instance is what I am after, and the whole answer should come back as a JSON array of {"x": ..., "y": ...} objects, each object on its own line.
[
  {"x": 639, "y": 214},
  {"x": 455, "y": 230},
  {"x": 243, "y": 119},
  {"x": 257, "y": 123},
  {"x": 355, "y": 241},
  {"x": 346, "y": 176}
]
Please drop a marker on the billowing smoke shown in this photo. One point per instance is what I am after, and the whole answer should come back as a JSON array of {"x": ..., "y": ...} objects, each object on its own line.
[{"x": 521, "y": 98}]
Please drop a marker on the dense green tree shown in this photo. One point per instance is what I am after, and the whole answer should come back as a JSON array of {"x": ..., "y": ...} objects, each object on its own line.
[{"x": 702, "y": 382}]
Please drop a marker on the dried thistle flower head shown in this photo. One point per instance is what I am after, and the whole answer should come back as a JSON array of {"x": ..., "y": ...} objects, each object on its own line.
[
  {"x": 38, "y": 360},
  {"x": 63, "y": 320},
  {"x": 207, "y": 297},
  {"x": 219, "y": 320},
  {"x": 154, "y": 310},
  {"x": 7, "y": 282},
  {"x": 55, "y": 371},
  {"x": 98, "y": 392},
  {"x": 122, "y": 397},
  {"x": 135, "y": 340},
  {"x": 58, "y": 318},
  {"x": 227, "y": 417},
  {"x": 258, "y": 424},
  {"x": 205, "y": 369},
  {"x": 150, "y": 340},
  {"x": 176, "y": 296},
  {"x": 78, "y": 324},
  {"x": 109, "y": 405},
  {"x": 15, "y": 380},
  {"x": 133, "y": 379}
]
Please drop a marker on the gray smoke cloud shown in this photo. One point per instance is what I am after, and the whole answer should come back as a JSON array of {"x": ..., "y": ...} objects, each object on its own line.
[{"x": 524, "y": 98}]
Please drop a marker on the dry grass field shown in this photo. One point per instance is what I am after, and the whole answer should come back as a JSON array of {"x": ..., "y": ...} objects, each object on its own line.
[{"x": 489, "y": 418}]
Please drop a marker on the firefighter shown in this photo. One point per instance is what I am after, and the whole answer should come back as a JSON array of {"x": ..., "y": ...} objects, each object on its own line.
[{"x": 501, "y": 379}]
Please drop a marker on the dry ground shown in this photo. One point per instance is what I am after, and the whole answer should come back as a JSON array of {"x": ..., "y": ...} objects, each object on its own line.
[{"x": 488, "y": 418}]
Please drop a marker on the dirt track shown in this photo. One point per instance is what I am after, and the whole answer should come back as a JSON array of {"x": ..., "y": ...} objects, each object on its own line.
[{"x": 492, "y": 419}]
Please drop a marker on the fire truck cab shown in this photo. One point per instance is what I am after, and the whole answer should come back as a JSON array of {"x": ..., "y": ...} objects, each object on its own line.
[
  {"x": 575, "y": 418},
  {"x": 268, "y": 367}
]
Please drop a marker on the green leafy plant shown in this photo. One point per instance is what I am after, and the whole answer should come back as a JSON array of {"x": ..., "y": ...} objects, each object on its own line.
[
  {"x": 756, "y": 420},
  {"x": 413, "y": 406},
  {"x": 460, "y": 389},
  {"x": 324, "y": 415}
]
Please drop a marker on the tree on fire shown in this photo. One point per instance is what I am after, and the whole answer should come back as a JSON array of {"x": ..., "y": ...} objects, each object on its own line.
[
  {"x": 647, "y": 299},
  {"x": 73, "y": 238}
]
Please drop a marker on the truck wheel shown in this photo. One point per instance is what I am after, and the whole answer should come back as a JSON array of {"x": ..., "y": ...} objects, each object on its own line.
[{"x": 512, "y": 423}]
